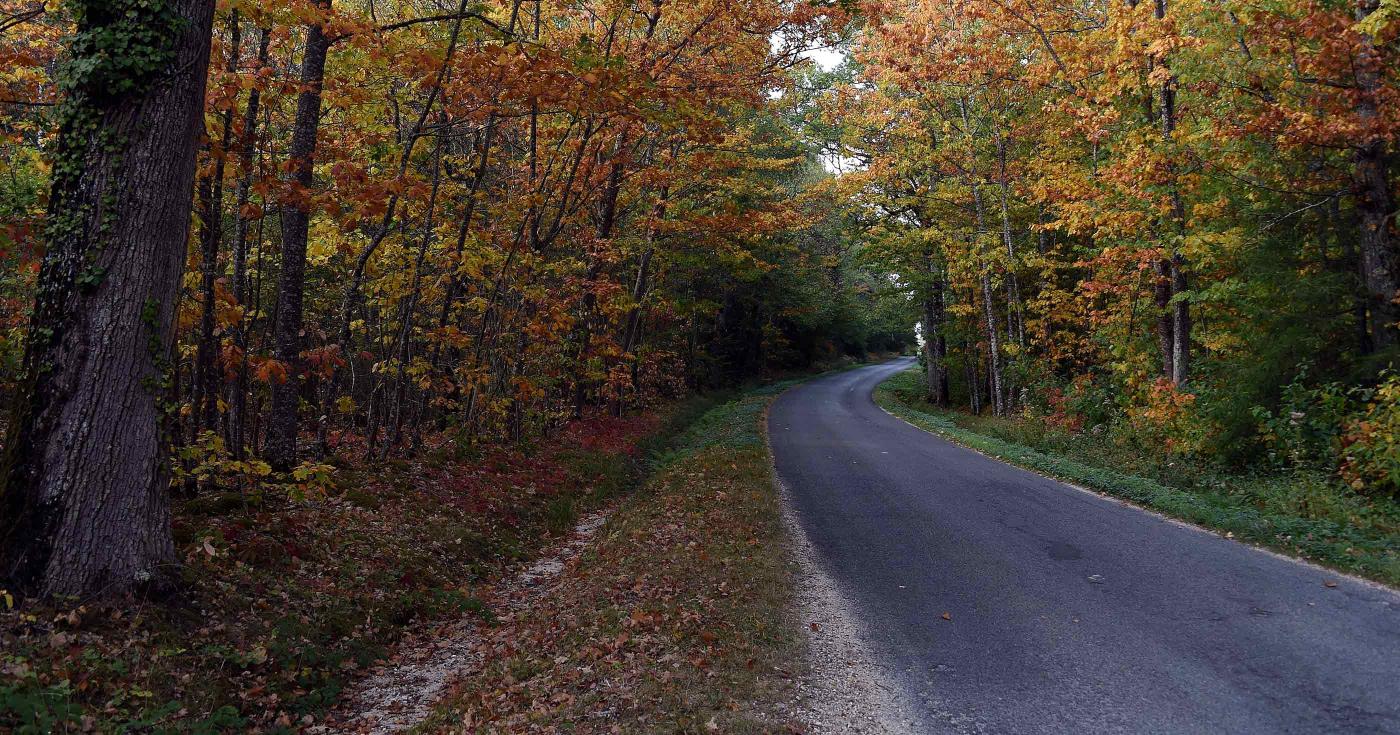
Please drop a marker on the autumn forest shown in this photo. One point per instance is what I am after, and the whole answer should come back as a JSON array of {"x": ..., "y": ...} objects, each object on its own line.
[{"x": 259, "y": 258}]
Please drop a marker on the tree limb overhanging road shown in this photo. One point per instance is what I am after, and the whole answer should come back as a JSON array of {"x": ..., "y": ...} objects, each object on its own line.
[{"x": 1068, "y": 612}]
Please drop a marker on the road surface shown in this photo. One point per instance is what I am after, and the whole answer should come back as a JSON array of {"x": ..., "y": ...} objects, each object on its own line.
[{"x": 1069, "y": 613}]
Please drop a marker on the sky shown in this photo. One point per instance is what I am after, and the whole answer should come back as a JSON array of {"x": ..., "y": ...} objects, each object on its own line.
[{"x": 826, "y": 58}]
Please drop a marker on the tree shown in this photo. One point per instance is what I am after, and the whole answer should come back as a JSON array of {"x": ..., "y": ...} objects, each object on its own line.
[
  {"x": 85, "y": 504},
  {"x": 283, "y": 423},
  {"x": 1375, "y": 197}
]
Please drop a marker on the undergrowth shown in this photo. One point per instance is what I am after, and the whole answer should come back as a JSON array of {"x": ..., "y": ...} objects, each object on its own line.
[{"x": 284, "y": 602}]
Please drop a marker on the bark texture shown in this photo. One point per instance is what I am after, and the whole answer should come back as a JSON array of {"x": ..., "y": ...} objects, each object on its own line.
[
  {"x": 283, "y": 424},
  {"x": 1375, "y": 203},
  {"x": 86, "y": 487}
]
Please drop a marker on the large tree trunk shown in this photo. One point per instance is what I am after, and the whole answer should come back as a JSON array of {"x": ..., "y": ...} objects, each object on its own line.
[
  {"x": 86, "y": 499},
  {"x": 283, "y": 424},
  {"x": 1375, "y": 204}
]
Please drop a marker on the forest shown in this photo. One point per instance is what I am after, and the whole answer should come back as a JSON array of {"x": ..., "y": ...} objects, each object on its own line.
[
  {"x": 1170, "y": 223},
  {"x": 408, "y": 220},
  {"x": 259, "y": 258}
]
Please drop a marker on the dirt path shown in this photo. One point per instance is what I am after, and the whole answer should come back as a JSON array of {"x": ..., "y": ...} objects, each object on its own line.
[{"x": 401, "y": 693}]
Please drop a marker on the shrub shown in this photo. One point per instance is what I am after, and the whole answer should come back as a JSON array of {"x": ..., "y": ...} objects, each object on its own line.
[
  {"x": 1163, "y": 420},
  {"x": 1371, "y": 442},
  {"x": 1305, "y": 430}
]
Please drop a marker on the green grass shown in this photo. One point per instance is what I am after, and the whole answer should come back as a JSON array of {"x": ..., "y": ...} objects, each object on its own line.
[{"x": 1304, "y": 514}]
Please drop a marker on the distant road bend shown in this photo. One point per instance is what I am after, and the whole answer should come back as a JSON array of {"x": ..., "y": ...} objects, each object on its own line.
[{"x": 1069, "y": 613}]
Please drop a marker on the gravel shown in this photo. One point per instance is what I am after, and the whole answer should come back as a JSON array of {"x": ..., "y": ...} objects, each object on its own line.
[{"x": 843, "y": 689}]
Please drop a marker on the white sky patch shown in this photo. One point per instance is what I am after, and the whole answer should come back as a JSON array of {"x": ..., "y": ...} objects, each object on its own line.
[
  {"x": 826, "y": 57},
  {"x": 837, "y": 164}
]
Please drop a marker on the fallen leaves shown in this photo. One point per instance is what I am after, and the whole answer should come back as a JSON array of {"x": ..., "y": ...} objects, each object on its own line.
[
  {"x": 289, "y": 601},
  {"x": 669, "y": 618}
]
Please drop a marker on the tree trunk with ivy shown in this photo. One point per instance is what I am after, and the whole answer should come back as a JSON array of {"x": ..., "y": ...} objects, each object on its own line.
[{"x": 86, "y": 486}]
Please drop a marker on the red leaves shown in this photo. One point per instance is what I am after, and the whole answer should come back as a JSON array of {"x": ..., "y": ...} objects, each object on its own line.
[
  {"x": 268, "y": 370},
  {"x": 323, "y": 361}
]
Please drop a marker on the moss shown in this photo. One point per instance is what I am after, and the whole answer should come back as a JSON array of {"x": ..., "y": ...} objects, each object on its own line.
[
  {"x": 121, "y": 50},
  {"x": 362, "y": 499}
]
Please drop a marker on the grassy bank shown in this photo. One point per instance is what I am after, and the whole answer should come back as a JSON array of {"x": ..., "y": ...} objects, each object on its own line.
[
  {"x": 1306, "y": 515},
  {"x": 674, "y": 621}
]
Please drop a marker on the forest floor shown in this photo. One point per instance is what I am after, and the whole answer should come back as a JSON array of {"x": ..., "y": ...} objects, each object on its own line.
[
  {"x": 625, "y": 575},
  {"x": 698, "y": 608},
  {"x": 286, "y": 603},
  {"x": 1306, "y": 515}
]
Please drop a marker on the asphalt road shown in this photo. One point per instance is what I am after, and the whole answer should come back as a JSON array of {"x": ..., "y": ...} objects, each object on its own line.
[{"x": 1070, "y": 613}]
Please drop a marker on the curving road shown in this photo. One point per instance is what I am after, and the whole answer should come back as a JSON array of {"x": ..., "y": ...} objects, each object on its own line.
[{"x": 1069, "y": 613}]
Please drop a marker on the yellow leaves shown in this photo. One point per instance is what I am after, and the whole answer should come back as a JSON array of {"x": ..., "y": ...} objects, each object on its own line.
[
  {"x": 208, "y": 459},
  {"x": 1207, "y": 248},
  {"x": 323, "y": 242},
  {"x": 1379, "y": 20},
  {"x": 1215, "y": 209},
  {"x": 1161, "y": 75}
]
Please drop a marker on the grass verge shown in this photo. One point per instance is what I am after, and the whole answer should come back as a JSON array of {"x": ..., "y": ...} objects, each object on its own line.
[
  {"x": 675, "y": 620},
  {"x": 1303, "y": 515}
]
